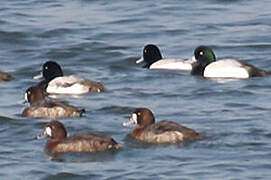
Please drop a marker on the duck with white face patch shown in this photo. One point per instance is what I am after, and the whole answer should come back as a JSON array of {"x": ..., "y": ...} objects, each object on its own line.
[
  {"x": 84, "y": 142},
  {"x": 44, "y": 107},
  {"x": 158, "y": 133}
]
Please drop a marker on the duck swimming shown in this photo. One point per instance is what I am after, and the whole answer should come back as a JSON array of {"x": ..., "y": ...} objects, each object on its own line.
[
  {"x": 56, "y": 83},
  {"x": 84, "y": 142},
  {"x": 208, "y": 67},
  {"x": 154, "y": 60},
  {"x": 161, "y": 132},
  {"x": 43, "y": 107}
]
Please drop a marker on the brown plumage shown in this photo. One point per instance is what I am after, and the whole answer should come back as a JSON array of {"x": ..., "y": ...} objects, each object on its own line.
[
  {"x": 83, "y": 142},
  {"x": 42, "y": 107},
  {"x": 160, "y": 132},
  {"x": 5, "y": 76}
]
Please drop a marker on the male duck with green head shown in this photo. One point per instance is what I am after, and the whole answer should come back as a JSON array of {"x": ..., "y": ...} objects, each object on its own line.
[{"x": 208, "y": 67}]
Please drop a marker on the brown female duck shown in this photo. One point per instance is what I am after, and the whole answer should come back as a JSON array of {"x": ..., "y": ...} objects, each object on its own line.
[
  {"x": 83, "y": 142},
  {"x": 160, "y": 132},
  {"x": 42, "y": 107}
]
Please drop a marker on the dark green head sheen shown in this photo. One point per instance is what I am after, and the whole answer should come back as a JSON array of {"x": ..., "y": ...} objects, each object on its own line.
[{"x": 204, "y": 55}]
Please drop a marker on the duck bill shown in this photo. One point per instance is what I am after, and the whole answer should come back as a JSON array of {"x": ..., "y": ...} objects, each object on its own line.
[
  {"x": 39, "y": 76},
  {"x": 193, "y": 59},
  {"x": 42, "y": 135},
  {"x": 128, "y": 123},
  {"x": 140, "y": 60},
  {"x": 133, "y": 120},
  {"x": 22, "y": 101}
]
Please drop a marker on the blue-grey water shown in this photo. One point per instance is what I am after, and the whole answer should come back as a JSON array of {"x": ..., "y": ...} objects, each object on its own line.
[{"x": 100, "y": 40}]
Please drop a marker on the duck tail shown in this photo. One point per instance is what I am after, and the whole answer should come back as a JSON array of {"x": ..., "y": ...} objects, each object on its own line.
[{"x": 118, "y": 146}]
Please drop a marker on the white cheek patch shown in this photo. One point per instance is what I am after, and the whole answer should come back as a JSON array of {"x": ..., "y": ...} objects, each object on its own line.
[
  {"x": 48, "y": 131},
  {"x": 25, "y": 97},
  {"x": 134, "y": 118}
]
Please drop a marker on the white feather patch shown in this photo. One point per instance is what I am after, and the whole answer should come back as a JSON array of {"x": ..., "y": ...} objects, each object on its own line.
[
  {"x": 25, "y": 97},
  {"x": 133, "y": 120},
  {"x": 172, "y": 64},
  {"x": 48, "y": 131},
  {"x": 227, "y": 68},
  {"x": 67, "y": 85}
]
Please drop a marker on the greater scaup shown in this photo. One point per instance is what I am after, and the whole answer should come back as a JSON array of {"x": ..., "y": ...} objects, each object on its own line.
[
  {"x": 83, "y": 142},
  {"x": 154, "y": 60},
  {"x": 208, "y": 67},
  {"x": 43, "y": 107},
  {"x": 160, "y": 132},
  {"x": 56, "y": 83}
]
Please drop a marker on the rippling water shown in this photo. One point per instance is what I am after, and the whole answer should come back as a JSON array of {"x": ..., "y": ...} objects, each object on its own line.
[{"x": 101, "y": 40}]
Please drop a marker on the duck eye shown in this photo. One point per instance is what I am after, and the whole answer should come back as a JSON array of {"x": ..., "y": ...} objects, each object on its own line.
[{"x": 201, "y": 53}]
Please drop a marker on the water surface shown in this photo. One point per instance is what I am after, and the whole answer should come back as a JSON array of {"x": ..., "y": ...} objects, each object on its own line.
[{"x": 100, "y": 40}]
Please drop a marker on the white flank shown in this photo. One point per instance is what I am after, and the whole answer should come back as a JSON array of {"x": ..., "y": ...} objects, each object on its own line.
[
  {"x": 227, "y": 68},
  {"x": 48, "y": 131},
  {"x": 59, "y": 85},
  {"x": 172, "y": 64}
]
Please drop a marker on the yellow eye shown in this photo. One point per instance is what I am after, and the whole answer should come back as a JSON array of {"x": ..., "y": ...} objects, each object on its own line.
[
  {"x": 201, "y": 53},
  {"x": 28, "y": 92},
  {"x": 139, "y": 114},
  {"x": 46, "y": 67}
]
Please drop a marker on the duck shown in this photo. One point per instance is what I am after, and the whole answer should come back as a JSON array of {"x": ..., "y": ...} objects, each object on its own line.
[
  {"x": 162, "y": 132},
  {"x": 43, "y": 107},
  {"x": 208, "y": 67},
  {"x": 154, "y": 60},
  {"x": 56, "y": 83},
  {"x": 83, "y": 142},
  {"x": 4, "y": 76}
]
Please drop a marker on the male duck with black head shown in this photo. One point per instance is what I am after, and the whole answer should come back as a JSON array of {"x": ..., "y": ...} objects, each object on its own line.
[
  {"x": 162, "y": 132},
  {"x": 56, "y": 83},
  {"x": 154, "y": 60},
  {"x": 43, "y": 107},
  {"x": 83, "y": 142},
  {"x": 4, "y": 76},
  {"x": 208, "y": 67}
]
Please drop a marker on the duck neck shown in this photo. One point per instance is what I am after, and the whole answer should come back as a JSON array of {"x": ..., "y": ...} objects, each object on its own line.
[
  {"x": 198, "y": 69},
  {"x": 137, "y": 130}
]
